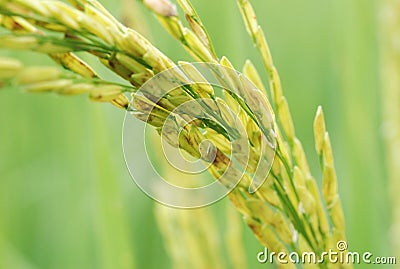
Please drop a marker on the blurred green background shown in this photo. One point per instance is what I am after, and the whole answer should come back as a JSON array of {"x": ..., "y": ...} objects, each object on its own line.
[{"x": 66, "y": 197}]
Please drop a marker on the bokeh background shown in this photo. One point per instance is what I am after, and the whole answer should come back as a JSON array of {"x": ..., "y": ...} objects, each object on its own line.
[{"x": 66, "y": 197}]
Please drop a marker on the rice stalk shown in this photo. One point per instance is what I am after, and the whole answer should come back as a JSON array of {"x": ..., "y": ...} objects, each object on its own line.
[
  {"x": 286, "y": 213},
  {"x": 38, "y": 79},
  {"x": 290, "y": 203}
]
